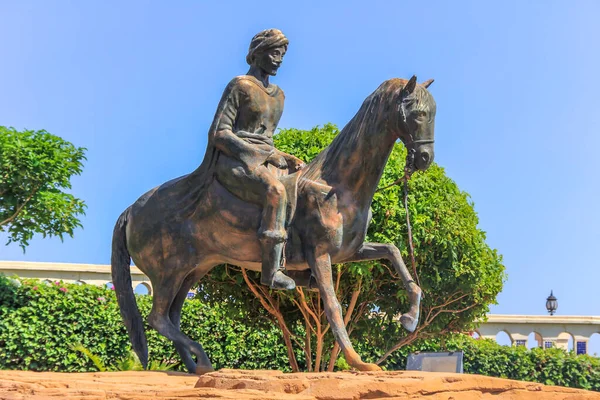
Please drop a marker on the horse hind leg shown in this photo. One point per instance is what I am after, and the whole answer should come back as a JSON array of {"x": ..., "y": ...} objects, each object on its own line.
[
  {"x": 165, "y": 292},
  {"x": 175, "y": 317}
]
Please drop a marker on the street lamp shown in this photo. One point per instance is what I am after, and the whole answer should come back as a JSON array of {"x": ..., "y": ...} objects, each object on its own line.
[{"x": 551, "y": 304}]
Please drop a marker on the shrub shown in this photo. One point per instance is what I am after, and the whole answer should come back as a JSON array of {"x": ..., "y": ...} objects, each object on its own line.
[
  {"x": 40, "y": 323},
  {"x": 486, "y": 357}
]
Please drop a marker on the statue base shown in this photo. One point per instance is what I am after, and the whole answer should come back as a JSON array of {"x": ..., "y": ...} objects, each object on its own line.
[{"x": 274, "y": 385}]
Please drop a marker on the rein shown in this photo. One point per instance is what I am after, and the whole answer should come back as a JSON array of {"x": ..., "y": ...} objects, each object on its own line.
[
  {"x": 409, "y": 169},
  {"x": 411, "y": 249}
]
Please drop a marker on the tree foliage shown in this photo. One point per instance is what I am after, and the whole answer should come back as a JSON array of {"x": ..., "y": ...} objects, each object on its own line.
[
  {"x": 35, "y": 170},
  {"x": 459, "y": 273}
]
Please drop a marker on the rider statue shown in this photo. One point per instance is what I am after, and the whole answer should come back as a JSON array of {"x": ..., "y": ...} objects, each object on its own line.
[{"x": 241, "y": 151}]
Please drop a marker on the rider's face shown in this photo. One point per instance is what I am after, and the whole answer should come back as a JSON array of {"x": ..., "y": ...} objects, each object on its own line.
[{"x": 270, "y": 60}]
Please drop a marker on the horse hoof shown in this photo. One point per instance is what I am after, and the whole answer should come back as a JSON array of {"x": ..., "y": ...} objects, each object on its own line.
[
  {"x": 368, "y": 367},
  {"x": 408, "y": 322},
  {"x": 201, "y": 370}
]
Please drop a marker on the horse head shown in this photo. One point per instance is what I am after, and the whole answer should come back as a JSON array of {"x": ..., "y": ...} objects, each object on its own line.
[{"x": 416, "y": 123}]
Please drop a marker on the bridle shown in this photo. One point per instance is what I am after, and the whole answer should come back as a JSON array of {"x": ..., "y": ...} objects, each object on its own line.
[
  {"x": 409, "y": 169},
  {"x": 412, "y": 143}
]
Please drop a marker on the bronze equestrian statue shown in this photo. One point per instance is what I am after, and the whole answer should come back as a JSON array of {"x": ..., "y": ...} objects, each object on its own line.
[{"x": 251, "y": 205}]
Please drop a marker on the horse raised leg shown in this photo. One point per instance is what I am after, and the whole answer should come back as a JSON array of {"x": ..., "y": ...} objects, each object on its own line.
[
  {"x": 166, "y": 290},
  {"x": 321, "y": 267},
  {"x": 175, "y": 315},
  {"x": 377, "y": 251}
]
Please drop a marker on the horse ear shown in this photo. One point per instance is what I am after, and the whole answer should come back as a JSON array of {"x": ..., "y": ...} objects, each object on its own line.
[
  {"x": 410, "y": 85},
  {"x": 427, "y": 83}
]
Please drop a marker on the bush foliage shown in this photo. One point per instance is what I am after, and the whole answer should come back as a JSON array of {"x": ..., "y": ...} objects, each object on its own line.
[
  {"x": 40, "y": 323},
  {"x": 486, "y": 357}
]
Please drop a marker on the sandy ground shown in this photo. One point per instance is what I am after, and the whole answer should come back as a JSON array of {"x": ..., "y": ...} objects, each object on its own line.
[{"x": 274, "y": 385}]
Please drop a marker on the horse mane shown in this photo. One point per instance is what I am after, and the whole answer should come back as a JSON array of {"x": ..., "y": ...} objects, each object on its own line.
[{"x": 366, "y": 120}]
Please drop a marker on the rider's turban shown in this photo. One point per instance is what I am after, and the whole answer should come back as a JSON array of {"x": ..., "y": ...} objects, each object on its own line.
[{"x": 265, "y": 40}]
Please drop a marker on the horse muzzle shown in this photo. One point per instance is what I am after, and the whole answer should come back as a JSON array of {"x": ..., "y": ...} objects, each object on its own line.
[{"x": 423, "y": 156}]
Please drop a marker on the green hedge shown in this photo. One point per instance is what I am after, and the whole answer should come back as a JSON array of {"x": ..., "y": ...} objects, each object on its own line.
[
  {"x": 549, "y": 366},
  {"x": 486, "y": 357},
  {"x": 39, "y": 323}
]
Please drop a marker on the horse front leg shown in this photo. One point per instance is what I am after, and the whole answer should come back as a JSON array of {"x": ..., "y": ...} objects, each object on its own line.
[
  {"x": 321, "y": 267},
  {"x": 377, "y": 251}
]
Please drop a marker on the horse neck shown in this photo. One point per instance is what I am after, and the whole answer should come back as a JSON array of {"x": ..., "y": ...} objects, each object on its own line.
[{"x": 355, "y": 160}]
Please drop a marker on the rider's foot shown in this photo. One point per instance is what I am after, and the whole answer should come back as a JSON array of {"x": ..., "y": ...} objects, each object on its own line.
[
  {"x": 282, "y": 281},
  {"x": 272, "y": 246}
]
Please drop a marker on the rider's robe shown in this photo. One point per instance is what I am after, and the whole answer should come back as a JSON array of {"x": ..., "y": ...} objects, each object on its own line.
[
  {"x": 245, "y": 122},
  {"x": 242, "y": 128}
]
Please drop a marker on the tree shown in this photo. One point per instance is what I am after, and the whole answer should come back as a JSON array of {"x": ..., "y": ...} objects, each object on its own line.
[
  {"x": 459, "y": 273},
  {"x": 35, "y": 169}
]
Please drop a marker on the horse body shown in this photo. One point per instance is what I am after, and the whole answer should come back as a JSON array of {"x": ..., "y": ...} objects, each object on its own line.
[
  {"x": 341, "y": 223},
  {"x": 328, "y": 221}
]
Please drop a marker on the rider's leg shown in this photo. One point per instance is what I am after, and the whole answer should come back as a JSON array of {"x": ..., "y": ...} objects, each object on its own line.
[
  {"x": 274, "y": 203},
  {"x": 272, "y": 233},
  {"x": 261, "y": 187}
]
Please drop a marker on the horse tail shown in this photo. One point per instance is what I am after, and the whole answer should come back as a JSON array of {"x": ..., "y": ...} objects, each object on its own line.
[{"x": 121, "y": 275}]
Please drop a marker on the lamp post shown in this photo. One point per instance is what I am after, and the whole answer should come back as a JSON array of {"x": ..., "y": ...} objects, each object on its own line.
[{"x": 551, "y": 304}]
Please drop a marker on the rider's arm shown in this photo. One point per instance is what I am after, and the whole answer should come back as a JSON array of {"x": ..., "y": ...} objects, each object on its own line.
[
  {"x": 291, "y": 162},
  {"x": 226, "y": 140}
]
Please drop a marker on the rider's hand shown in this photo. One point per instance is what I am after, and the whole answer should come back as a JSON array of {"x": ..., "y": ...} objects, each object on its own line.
[
  {"x": 278, "y": 161},
  {"x": 295, "y": 164},
  {"x": 299, "y": 166}
]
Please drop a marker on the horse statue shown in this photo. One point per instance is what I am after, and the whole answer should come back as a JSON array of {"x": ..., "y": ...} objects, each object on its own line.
[{"x": 176, "y": 234}]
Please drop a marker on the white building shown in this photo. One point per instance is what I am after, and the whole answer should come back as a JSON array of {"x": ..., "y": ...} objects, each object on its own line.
[{"x": 549, "y": 331}]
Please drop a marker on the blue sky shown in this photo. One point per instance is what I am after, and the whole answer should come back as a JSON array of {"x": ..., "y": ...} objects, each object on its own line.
[{"x": 517, "y": 85}]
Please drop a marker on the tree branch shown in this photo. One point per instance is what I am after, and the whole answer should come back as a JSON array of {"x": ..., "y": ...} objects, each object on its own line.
[
  {"x": 406, "y": 340},
  {"x": 281, "y": 322},
  {"x": 318, "y": 332},
  {"x": 428, "y": 320},
  {"x": 338, "y": 278},
  {"x": 19, "y": 208},
  {"x": 306, "y": 307}
]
